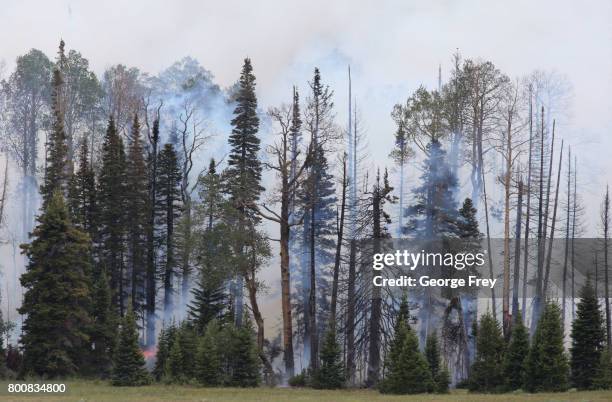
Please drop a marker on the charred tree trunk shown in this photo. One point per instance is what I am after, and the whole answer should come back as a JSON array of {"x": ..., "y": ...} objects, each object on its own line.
[
  {"x": 553, "y": 223},
  {"x": 517, "y": 251},
  {"x": 527, "y": 212},
  {"x": 350, "y": 314},
  {"x": 339, "y": 239}
]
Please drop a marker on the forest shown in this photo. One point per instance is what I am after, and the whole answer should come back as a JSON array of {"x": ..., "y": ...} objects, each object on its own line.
[{"x": 142, "y": 211}]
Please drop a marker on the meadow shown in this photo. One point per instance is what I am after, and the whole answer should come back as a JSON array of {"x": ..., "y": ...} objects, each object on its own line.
[{"x": 86, "y": 391}]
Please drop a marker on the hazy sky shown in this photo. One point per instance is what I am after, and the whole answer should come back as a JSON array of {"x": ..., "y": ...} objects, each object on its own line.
[{"x": 392, "y": 46}]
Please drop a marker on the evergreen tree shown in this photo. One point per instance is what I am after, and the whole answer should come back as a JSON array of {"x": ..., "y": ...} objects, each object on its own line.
[
  {"x": 57, "y": 300},
  {"x": 434, "y": 213},
  {"x": 244, "y": 167},
  {"x": 136, "y": 211},
  {"x": 432, "y": 353},
  {"x": 486, "y": 374},
  {"x": 514, "y": 358},
  {"x": 173, "y": 370},
  {"x": 546, "y": 366},
  {"x": 442, "y": 381},
  {"x": 129, "y": 361},
  {"x": 209, "y": 296},
  {"x": 244, "y": 360},
  {"x": 208, "y": 358},
  {"x": 82, "y": 193},
  {"x": 168, "y": 209},
  {"x": 104, "y": 328},
  {"x": 209, "y": 301},
  {"x": 166, "y": 338},
  {"x": 112, "y": 209},
  {"x": 56, "y": 170},
  {"x": 588, "y": 336},
  {"x": 603, "y": 375},
  {"x": 330, "y": 374},
  {"x": 244, "y": 170},
  {"x": 409, "y": 372}
]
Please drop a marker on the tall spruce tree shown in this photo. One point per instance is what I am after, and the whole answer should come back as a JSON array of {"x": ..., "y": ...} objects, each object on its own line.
[
  {"x": 168, "y": 212},
  {"x": 56, "y": 166},
  {"x": 57, "y": 300},
  {"x": 137, "y": 219},
  {"x": 514, "y": 358},
  {"x": 112, "y": 212},
  {"x": 244, "y": 167},
  {"x": 546, "y": 366},
  {"x": 129, "y": 363},
  {"x": 486, "y": 374},
  {"x": 588, "y": 337}
]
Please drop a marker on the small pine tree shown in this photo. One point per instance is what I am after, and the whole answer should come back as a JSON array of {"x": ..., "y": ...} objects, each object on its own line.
[
  {"x": 173, "y": 370},
  {"x": 330, "y": 374},
  {"x": 164, "y": 343},
  {"x": 546, "y": 366},
  {"x": 244, "y": 360},
  {"x": 588, "y": 336},
  {"x": 486, "y": 373},
  {"x": 442, "y": 381},
  {"x": 603, "y": 375},
  {"x": 180, "y": 366},
  {"x": 432, "y": 353},
  {"x": 514, "y": 359},
  {"x": 208, "y": 358},
  {"x": 408, "y": 371},
  {"x": 129, "y": 361}
]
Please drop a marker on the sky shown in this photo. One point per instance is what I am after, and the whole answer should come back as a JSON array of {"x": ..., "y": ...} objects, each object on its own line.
[{"x": 392, "y": 47}]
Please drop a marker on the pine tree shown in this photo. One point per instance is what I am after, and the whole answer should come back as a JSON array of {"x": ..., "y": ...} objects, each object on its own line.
[
  {"x": 166, "y": 338},
  {"x": 442, "y": 381},
  {"x": 168, "y": 211},
  {"x": 588, "y": 336},
  {"x": 244, "y": 170},
  {"x": 486, "y": 374},
  {"x": 244, "y": 360},
  {"x": 603, "y": 375},
  {"x": 514, "y": 358},
  {"x": 129, "y": 361},
  {"x": 434, "y": 213},
  {"x": 546, "y": 366},
  {"x": 409, "y": 372},
  {"x": 432, "y": 353},
  {"x": 136, "y": 211},
  {"x": 244, "y": 167},
  {"x": 82, "y": 193},
  {"x": 112, "y": 206},
  {"x": 208, "y": 358},
  {"x": 173, "y": 370},
  {"x": 104, "y": 328},
  {"x": 330, "y": 374},
  {"x": 209, "y": 301},
  {"x": 56, "y": 170},
  {"x": 57, "y": 300}
]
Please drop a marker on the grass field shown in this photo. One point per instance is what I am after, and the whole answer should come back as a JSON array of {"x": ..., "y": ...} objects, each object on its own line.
[{"x": 99, "y": 391}]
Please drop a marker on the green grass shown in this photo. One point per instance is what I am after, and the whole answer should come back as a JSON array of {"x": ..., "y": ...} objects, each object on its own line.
[{"x": 100, "y": 391}]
